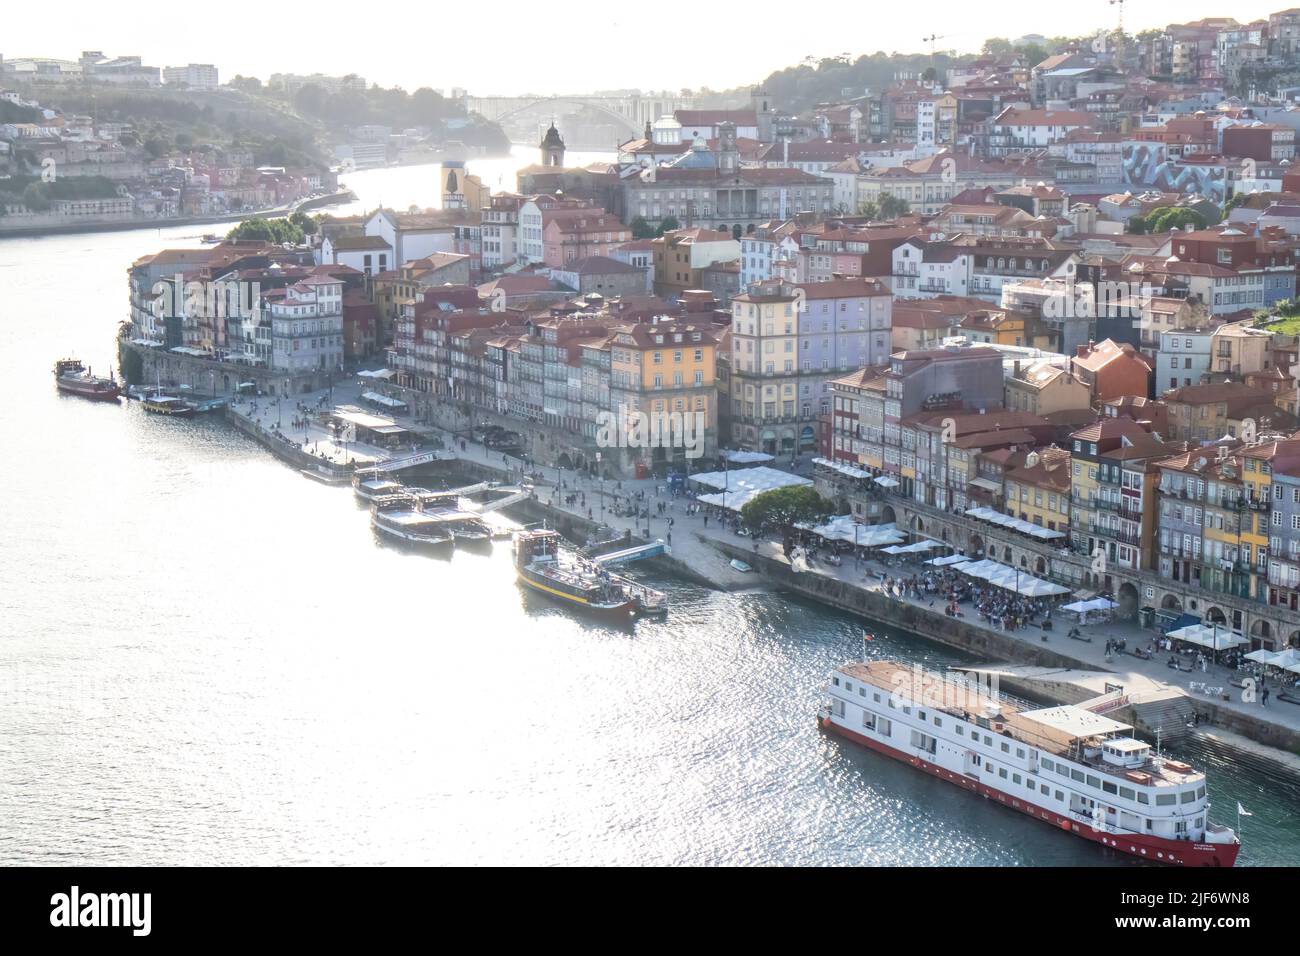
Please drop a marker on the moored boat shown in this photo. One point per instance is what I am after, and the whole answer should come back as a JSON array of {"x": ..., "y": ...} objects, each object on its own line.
[
  {"x": 73, "y": 378},
  {"x": 168, "y": 405},
  {"x": 1068, "y": 766},
  {"x": 368, "y": 489},
  {"x": 411, "y": 527},
  {"x": 543, "y": 565}
]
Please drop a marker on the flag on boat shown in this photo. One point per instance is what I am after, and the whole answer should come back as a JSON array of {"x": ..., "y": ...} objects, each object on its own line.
[
  {"x": 1242, "y": 811},
  {"x": 868, "y": 637}
]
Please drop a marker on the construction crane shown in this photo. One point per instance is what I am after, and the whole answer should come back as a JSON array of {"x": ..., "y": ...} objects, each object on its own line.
[
  {"x": 1119, "y": 40},
  {"x": 930, "y": 40}
]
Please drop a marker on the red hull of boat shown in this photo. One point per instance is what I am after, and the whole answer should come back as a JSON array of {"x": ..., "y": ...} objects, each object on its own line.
[
  {"x": 1156, "y": 849},
  {"x": 87, "y": 391}
]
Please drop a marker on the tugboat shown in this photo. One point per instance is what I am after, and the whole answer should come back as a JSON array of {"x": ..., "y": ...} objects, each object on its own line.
[
  {"x": 74, "y": 378},
  {"x": 543, "y": 565}
]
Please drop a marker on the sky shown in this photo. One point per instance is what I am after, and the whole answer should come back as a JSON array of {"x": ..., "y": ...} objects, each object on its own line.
[{"x": 510, "y": 46}]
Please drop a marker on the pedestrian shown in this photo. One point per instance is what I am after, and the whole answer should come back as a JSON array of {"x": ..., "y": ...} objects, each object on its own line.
[{"x": 1263, "y": 699}]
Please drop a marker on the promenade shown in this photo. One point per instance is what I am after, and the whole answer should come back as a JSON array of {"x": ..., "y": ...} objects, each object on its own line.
[{"x": 696, "y": 545}]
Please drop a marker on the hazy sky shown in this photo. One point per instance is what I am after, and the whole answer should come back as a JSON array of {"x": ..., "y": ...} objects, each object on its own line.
[{"x": 509, "y": 46}]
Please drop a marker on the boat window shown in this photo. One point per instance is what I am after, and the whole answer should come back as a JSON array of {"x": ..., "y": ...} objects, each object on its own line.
[
  {"x": 1048, "y": 765},
  {"x": 1187, "y": 796},
  {"x": 1148, "y": 823},
  {"x": 868, "y": 720},
  {"x": 1015, "y": 778},
  {"x": 988, "y": 768},
  {"x": 1063, "y": 770},
  {"x": 862, "y": 692},
  {"x": 1165, "y": 799},
  {"x": 848, "y": 685},
  {"x": 1060, "y": 796},
  {"x": 1044, "y": 789},
  {"x": 1006, "y": 747},
  {"x": 884, "y": 727},
  {"x": 988, "y": 741},
  {"x": 1126, "y": 793},
  {"x": 835, "y": 681},
  {"x": 1020, "y": 752},
  {"x": 1094, "y": 781},
  {"x": 961, "y": 731},
  {"x": 938, "y": 722},
  {"x": 1200, "y": 821},
  {"x": 1200, "y": 791},
  {"x": 1002, "y": 772},
  {"x": 1109, "y": 787},
  {"x": 1143, "y": 798},
  {"x": 921, "y": 715},
  {"x": 1076, "y": 775},
  {"x": 876, "y": 698}
]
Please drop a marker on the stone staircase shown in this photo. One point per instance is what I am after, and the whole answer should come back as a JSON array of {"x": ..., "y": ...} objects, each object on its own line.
[{"x": 1169, "y": 715}]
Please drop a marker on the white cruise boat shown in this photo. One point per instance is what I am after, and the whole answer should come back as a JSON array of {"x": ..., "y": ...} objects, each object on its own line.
[{"x": 1065, "y": 766}]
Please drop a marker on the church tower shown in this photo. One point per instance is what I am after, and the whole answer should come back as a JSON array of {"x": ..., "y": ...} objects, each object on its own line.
[
  {"x": 552, "y": 148},
  {"x": 728, "y": 149}
]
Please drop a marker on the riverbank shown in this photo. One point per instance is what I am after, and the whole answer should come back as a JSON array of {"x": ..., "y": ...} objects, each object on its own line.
[
  {"x": 702, "y": 552},
  {"x": 19, "y": 231}
]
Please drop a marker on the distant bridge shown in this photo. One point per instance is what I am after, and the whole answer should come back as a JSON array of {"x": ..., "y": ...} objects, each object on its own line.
[{"x": 630, "y": 112}]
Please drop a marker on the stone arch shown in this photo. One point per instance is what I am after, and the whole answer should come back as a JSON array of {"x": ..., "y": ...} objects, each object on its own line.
[
  {"x": 1128, "y": 601},
  {"x": 1024, "y": 561},
  {"x": 1170, "y": 602},
  {"x": 1040, "y": 566},
  {"x": 1294, "y": 639},
  {"x": 975, "y": 546},
  {"x": 1006, "y": 554},
  {"x": 1261, "y": 629},
  {"x": 917, "y": 523},
  {"x": 887, "y": 515},
  {"x": 1215, "y": 615}
]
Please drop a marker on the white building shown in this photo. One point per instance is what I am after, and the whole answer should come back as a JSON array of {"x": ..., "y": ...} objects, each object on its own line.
[
  {"x": 194, "y": 76},
  {"x": 307, "y": 326},
  {"x": 1183, "y": 357}
]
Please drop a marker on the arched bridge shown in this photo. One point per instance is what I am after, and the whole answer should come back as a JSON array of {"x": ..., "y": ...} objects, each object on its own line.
[{"x": 631, "y": 112}]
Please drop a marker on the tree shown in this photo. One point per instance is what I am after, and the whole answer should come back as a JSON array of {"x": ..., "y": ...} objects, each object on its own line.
[
  {"x": 36, "y": 197},
  {"x": 268, "y": 230},
  {"x": 869, "y": 209},
  {"x": 1137, "y": 225},
  {"x": 304, "y": 222},
  {"x": 642, "y": 229},
  {"x": 668, "y": 224},
  {"x": 1168, "y": 218},
  {"x": 784, "y": 508},
  {"x": 891, "y": 207}
]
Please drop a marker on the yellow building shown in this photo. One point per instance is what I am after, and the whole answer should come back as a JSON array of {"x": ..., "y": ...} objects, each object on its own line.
[
  {"x": 1039, "y": 490},
  {"x": 666, "y": 372}
]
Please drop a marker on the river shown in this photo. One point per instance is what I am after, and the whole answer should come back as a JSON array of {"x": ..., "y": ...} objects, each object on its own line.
[{"x": 205, "y": 658}]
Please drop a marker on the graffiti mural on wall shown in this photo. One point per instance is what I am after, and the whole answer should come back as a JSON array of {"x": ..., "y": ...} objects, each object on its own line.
[{"x": 1146, "y": 166}]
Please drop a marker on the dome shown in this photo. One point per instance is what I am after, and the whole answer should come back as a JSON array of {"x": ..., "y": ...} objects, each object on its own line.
[{"x": 552, "y": 139}]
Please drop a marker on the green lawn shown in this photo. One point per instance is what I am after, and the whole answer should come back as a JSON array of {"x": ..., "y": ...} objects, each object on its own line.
[{"x": 1289, "y": 326}]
